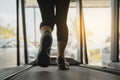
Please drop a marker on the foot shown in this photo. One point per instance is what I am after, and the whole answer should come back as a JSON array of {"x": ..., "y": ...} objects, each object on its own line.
[
  {"x": 43, "y": 58},
  {"x": 62, "y": 64}
]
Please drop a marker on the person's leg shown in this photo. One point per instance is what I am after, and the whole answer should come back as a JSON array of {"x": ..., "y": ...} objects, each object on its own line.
[
  {"x": 62, "y": 29},
  {"x": 47, "y": 14},
  {"x": 46, "y": 27}
]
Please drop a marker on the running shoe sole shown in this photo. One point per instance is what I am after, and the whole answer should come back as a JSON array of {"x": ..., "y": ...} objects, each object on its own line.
[{"x": 43, "y": 59}]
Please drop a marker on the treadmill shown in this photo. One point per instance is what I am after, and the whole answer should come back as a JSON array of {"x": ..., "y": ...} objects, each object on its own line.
[{"x": 78, "y": 70}]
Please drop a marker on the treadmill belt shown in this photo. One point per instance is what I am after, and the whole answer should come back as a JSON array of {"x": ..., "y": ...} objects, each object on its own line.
[{"x": 74, "y": 73}]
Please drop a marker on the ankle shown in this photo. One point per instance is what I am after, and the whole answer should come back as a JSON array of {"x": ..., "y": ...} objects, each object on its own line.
[
  {"x": 61, "y": 60},
  {"x": 45, "y": 28},
  {"x": 60, "y": 57}
]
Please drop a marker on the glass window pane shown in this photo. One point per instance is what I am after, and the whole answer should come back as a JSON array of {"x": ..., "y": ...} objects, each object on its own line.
[
  {"x": 97, "y": 16},
  {"x": 8, "y": 33},
  {"x": 71, "y": 50}
]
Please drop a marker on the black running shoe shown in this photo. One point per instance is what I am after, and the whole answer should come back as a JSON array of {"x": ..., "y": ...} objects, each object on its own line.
[
  {"x": 43, "y": 58},
  {"x": 62, "y": 64}
]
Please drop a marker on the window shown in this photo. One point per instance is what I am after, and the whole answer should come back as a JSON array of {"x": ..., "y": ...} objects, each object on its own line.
[
  {"x": 7, "y": 32},
  {"x": 97, "y": 16}
]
